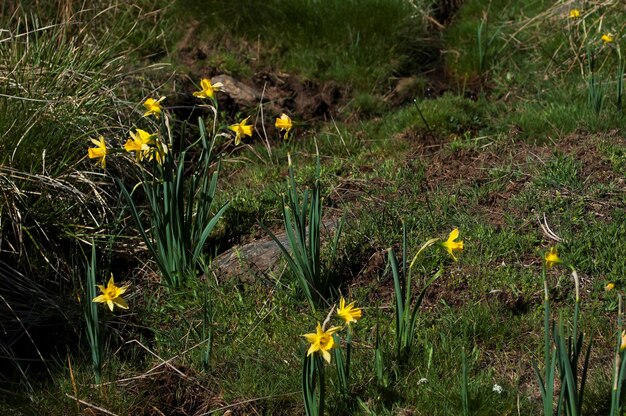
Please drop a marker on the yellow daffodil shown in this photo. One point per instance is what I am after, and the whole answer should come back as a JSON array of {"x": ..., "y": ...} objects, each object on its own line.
[
  {"x": 609, "y": 287},
  {"x": 208, "y": 89},
  {"x": 322, "y": 341},
  {"x": 622, "y": 346},
  {"x": 574, "y": 14},
  {"x": 607, "y": 38},
  {"x": 111, "y": 295},
  {"x": 552, "y": 258},
  {"x": 450, "y": 245},
  {"x": 348, "y": 313},
  {"x": 139, "y": 143},
  {"x": 159, "y": 151},
  {"x": 284, "y": 123},
  {"x": 153, "y": 107},
  {"x": 241, "y": 129},
  {"x": 99, "y": 152}
]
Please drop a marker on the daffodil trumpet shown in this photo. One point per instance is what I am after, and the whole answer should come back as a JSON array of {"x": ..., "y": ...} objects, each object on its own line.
[{"x": 112, "y": 295}]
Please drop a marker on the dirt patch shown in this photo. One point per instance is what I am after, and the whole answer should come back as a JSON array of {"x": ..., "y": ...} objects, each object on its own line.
[
  {"x": 585, "y": 148},
  {"x": 173, "y": 391},
  {"x": 476, "y": 166},
  {"x": 423, "y": 142},
  {"x": 306, "y": 99},
  {"x": 279, "y": 92}
]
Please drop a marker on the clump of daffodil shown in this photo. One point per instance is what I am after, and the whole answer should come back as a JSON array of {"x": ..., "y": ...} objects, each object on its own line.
[
  {"x": 284, "y": 123},
  {"x": 607, "y": 38},
  {"x": 153, "y": 107},
  {"x": 208, "y": 90},
  {"x": 321, "y": 341},
  {"x": 452, "y": 246},
  {"x": 111, "y": 295},
  {"x": 140, "y": 143},
  {"x": 552, "y": 258},
  {"x": 241, "y": 129},
  {"x": 348, "y": 312},
  {"x": 99, "y": 152},
  {"x": 574, "y": 14}
]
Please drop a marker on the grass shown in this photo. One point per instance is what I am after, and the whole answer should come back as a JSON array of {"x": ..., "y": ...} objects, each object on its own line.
[
  {"x": 373, "y": 40},
  {"x": 510, "y": 138}
]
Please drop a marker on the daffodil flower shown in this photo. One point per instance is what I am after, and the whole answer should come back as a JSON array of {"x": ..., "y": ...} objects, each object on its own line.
[
  {"x": 321, "y": 341},
  {"x": 607, "y": 38},
  {"x": 153, "y": 107},
  {"x": 284, "y": 123},
  {"x": 139, "y": 143},
  {"x": 348, "y": 313},
  {"x": 574, "y": 14},
  {"x": 609, "y": 287},
  {"x": 552, "y": 258},
  {"x": 111, "y": 295},
  {"x": 450, "y": 245},
  {"x": 159, "y": 151},
  {"x": 241, "y": 129},
  {"x": 99, "y": 152},
  {"x": 208, "y": 89}
]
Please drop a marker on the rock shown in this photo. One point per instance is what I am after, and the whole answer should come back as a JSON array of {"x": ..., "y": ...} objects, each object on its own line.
[
  {"x": 260, "y": 256},
  {"x": 242, "y": 94}
]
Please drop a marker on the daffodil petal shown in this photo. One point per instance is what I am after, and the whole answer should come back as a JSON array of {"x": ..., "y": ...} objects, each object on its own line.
[
  {"x": 120, "y": 302},
  {"x": 333, "y": 330},
  {"x": 99, "y": 299}
]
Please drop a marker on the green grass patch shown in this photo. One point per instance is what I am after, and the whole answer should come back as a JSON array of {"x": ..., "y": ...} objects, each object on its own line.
[{"x": 356, "y": 43}]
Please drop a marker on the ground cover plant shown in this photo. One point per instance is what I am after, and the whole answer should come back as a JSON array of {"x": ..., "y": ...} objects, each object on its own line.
[{"x": 352, "y": 208}]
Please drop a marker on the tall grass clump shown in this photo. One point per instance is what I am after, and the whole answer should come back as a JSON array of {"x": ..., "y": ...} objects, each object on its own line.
[
  {"x": 58, "y": 87},
  {"x": 65, "y": 73}
]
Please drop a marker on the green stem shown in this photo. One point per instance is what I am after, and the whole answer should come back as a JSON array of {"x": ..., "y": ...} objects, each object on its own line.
[
  {"x": 546, "y": 324},
  {"x": 322, "y": 384},
  {"x": 348, "y": 353},
  {"x": 617, "y": 364}
]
